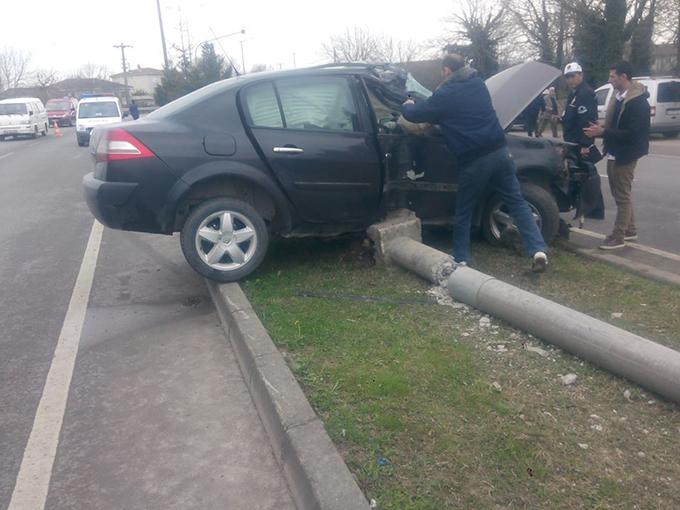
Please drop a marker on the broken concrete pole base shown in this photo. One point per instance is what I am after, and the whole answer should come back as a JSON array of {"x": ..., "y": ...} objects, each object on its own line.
[{"x": 401, "y": 223}]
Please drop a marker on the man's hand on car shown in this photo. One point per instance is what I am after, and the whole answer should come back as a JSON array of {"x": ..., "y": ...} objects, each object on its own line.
[{"x": 594, "y": 130}]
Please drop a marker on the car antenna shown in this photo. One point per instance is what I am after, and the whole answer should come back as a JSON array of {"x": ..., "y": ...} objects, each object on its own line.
[{"x": 231, "y": 63}]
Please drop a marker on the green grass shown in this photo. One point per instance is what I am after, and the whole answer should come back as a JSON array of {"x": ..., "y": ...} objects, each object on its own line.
[{"x": 396, "y": 377}]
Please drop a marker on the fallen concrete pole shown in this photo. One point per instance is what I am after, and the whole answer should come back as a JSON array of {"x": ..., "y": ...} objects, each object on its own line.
[{"x": 642, "y": 361}]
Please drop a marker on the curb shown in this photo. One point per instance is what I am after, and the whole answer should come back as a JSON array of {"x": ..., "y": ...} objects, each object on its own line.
[
  {"x": 637, "y": 268},
  {"x": 316, "y": 474}
]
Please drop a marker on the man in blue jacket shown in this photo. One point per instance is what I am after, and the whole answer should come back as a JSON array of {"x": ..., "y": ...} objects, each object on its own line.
[{"x": 462, "y": 107}]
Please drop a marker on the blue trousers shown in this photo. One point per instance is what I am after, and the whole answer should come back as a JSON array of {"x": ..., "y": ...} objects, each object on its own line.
[{"x": 496, "y": 170}]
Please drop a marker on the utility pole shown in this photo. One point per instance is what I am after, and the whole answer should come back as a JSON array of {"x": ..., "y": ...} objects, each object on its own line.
[
  {"x": 160, "y": 22},
  {"x": 243, "y": 59},
  {"x": 125, "y": 80},
  {"x": 294, "y": 63}
]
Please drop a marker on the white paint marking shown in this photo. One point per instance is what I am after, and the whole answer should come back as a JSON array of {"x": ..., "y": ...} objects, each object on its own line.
[
  {"x": 6, "y": 155},
  {"x": 647, "y": 249},
  {"x": 33, "y": 480},
  {"x": 604, "y": 176}
]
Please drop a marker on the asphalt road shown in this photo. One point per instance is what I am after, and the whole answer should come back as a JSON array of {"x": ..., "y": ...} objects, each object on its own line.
[{"x": 157, "y": 414}]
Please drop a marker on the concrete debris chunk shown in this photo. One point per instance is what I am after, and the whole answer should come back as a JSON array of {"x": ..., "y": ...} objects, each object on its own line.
[{"x": 568, "y": 379}]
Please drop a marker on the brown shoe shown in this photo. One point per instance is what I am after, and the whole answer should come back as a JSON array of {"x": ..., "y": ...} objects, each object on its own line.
[
  {"x": 612, "y": 242},
  {"x": 630, "y": 235}
]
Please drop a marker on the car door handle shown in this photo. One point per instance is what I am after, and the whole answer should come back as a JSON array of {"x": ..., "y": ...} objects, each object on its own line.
[{"x": 288, "y": 150}]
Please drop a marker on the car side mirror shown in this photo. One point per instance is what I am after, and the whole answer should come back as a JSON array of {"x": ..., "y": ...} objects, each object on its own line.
[{"x": 30, "y": 113}]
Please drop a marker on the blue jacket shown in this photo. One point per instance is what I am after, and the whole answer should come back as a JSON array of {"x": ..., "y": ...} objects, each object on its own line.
[{"x": 462, "y": 107}]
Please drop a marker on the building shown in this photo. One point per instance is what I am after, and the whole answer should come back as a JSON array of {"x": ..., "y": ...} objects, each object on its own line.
[
  {"x": 142, "y": 82},
  {"x": 664, "y": 59}
]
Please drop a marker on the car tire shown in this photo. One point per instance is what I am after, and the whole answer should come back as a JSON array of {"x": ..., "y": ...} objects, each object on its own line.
[
  {"x": 495, "y": 219},
  {"x": 204, "y": 237},
  {"x": 34, "y": 135},
  {"x": 671, "y": 134},
  {"x": 44, "y": 132}
]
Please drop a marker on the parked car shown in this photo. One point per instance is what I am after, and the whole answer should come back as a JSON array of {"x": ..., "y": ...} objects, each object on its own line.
[
  {"x": 62, "y": 111},
  {"x": 307, "y": 152},
  {"x": 664, "y": 102},
  {"x": 23, "y": 116},
  {"x": 96, "y": 111}
]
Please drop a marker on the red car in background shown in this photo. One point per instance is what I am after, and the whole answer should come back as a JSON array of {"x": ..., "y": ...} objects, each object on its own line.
[{"x": 62, "y": 111}]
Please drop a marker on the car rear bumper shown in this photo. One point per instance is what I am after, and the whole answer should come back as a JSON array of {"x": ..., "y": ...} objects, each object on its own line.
[
  {"x": 24, "y": 129},
  {"x": 110, "y": 202}
]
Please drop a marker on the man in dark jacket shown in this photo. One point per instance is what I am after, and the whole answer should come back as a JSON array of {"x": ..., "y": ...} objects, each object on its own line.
[
  {"x": 580, "y": 111},
  {"x": 462, "y": 107},
  {"x": 626, "y": 139},
  {"x": 531, "y": 114}
]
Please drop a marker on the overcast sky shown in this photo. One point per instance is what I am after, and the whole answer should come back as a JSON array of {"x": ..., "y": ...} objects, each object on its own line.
[{"x": 65, "y": 34}]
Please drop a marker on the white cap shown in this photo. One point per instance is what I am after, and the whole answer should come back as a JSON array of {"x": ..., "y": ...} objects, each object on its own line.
[{"x": 573, "y": 67}]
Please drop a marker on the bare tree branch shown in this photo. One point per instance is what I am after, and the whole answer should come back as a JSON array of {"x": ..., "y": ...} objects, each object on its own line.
[{"x": 13, "y": 64}]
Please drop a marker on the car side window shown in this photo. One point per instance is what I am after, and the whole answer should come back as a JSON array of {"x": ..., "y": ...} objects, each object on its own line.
[
  {"x": 262, "y": 106},
  {"x": 324, "y": 103},
  {"x": 601, "y": 96}
]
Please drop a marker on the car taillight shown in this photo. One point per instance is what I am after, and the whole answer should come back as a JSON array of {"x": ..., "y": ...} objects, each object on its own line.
[
  {"x": 117, "y": 144},
  {"x": 652, "y": 111}
]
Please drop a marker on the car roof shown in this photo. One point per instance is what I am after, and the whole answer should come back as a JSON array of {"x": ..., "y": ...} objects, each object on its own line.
[
  {"x": 99, "y": 99},
  {"x": 20, "y": 100}
]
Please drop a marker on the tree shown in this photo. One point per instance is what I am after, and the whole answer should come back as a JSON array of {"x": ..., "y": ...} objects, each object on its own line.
[
  {"x": 483, "y": 28},
  {"x": 92, "y": 71},
  {"x": 355, "y": 45},
  {"x": 544, "y": 25},
  {"x": 185, "y": 77},
  {"x": 45, "y": 77},
  {"x": 13, "y": 64}
]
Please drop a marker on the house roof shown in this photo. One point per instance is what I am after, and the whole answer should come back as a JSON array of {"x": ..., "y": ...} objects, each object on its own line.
[{"x": 140, "y": 71}]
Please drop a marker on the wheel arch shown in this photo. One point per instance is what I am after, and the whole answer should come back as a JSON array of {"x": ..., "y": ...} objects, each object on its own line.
[{"x": 233, "y": 180}]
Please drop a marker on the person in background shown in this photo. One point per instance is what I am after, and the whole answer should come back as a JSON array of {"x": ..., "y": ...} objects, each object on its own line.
[
  {"x": 134, "y": 110},
  {"x": 462, "y": 107},
  {"x": 626, "y": 139},
  {"x": 550, "y": 114},
  {"x": 531, "y": 114}
]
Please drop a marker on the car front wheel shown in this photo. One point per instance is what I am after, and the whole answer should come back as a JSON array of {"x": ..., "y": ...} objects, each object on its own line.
[
  {"x": 496, "y": 218},
  {"x": 224, "y": 239}
]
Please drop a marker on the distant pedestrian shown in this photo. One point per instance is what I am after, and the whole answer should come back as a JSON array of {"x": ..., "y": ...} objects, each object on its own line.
[
  {"x": 626, "y": 139},
  {"x": 580, "y": 111},
  {"x": 550, "y": 114},
  {"x": 462, "y": 107},
  {"x": 531, "y": 114},
  {"x": 134, "y": 110}
]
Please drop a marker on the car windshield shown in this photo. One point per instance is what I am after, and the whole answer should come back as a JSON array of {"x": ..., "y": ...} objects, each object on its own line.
[
  {"x": 412, "y": 85},
  {"x": 99, "y": 109},
  {"x": 53, "y": 107},
  {"x": 13, "y": 109}
]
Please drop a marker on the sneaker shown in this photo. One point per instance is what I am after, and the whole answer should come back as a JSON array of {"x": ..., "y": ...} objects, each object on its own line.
[
  {"x": 630, "y": 235},
  {"x": 540, "y": 262},
  {"x": 612, "y": 242}
]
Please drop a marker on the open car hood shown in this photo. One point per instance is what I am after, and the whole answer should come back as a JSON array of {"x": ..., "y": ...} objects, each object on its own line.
[{"x": 513, "y": 89}]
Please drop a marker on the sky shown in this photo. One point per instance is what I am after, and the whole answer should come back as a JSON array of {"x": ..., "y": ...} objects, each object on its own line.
[{"x": 63, "y": 35}]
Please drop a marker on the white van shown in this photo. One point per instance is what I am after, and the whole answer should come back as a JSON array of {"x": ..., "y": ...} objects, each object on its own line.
[
  {"x": 664, "y": 102},
  {"x": 22, "y": 116},
  {"x": 95, "y": 111}
]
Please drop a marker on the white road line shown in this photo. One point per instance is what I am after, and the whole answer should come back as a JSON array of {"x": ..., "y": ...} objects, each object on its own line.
[
  {"x": 6, "y": 155},
  {"x": 647, "y": 249},
  {"x": 33, "y": 480}
]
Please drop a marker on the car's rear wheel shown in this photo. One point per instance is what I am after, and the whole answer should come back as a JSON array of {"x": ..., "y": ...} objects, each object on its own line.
[
  {"x": 496, "y": 218},
  {"x": 224, "y": 239}
]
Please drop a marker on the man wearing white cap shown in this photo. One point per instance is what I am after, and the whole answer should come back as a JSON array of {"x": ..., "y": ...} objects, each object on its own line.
[{"x": 580, "y": 111}]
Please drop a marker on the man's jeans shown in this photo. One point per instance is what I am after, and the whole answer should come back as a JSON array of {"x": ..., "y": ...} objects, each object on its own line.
[{"x": 496, "y": 170}]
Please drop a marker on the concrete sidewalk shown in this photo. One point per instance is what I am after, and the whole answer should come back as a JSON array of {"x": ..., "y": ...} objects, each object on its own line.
[{"x": 159, "y": 416}]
